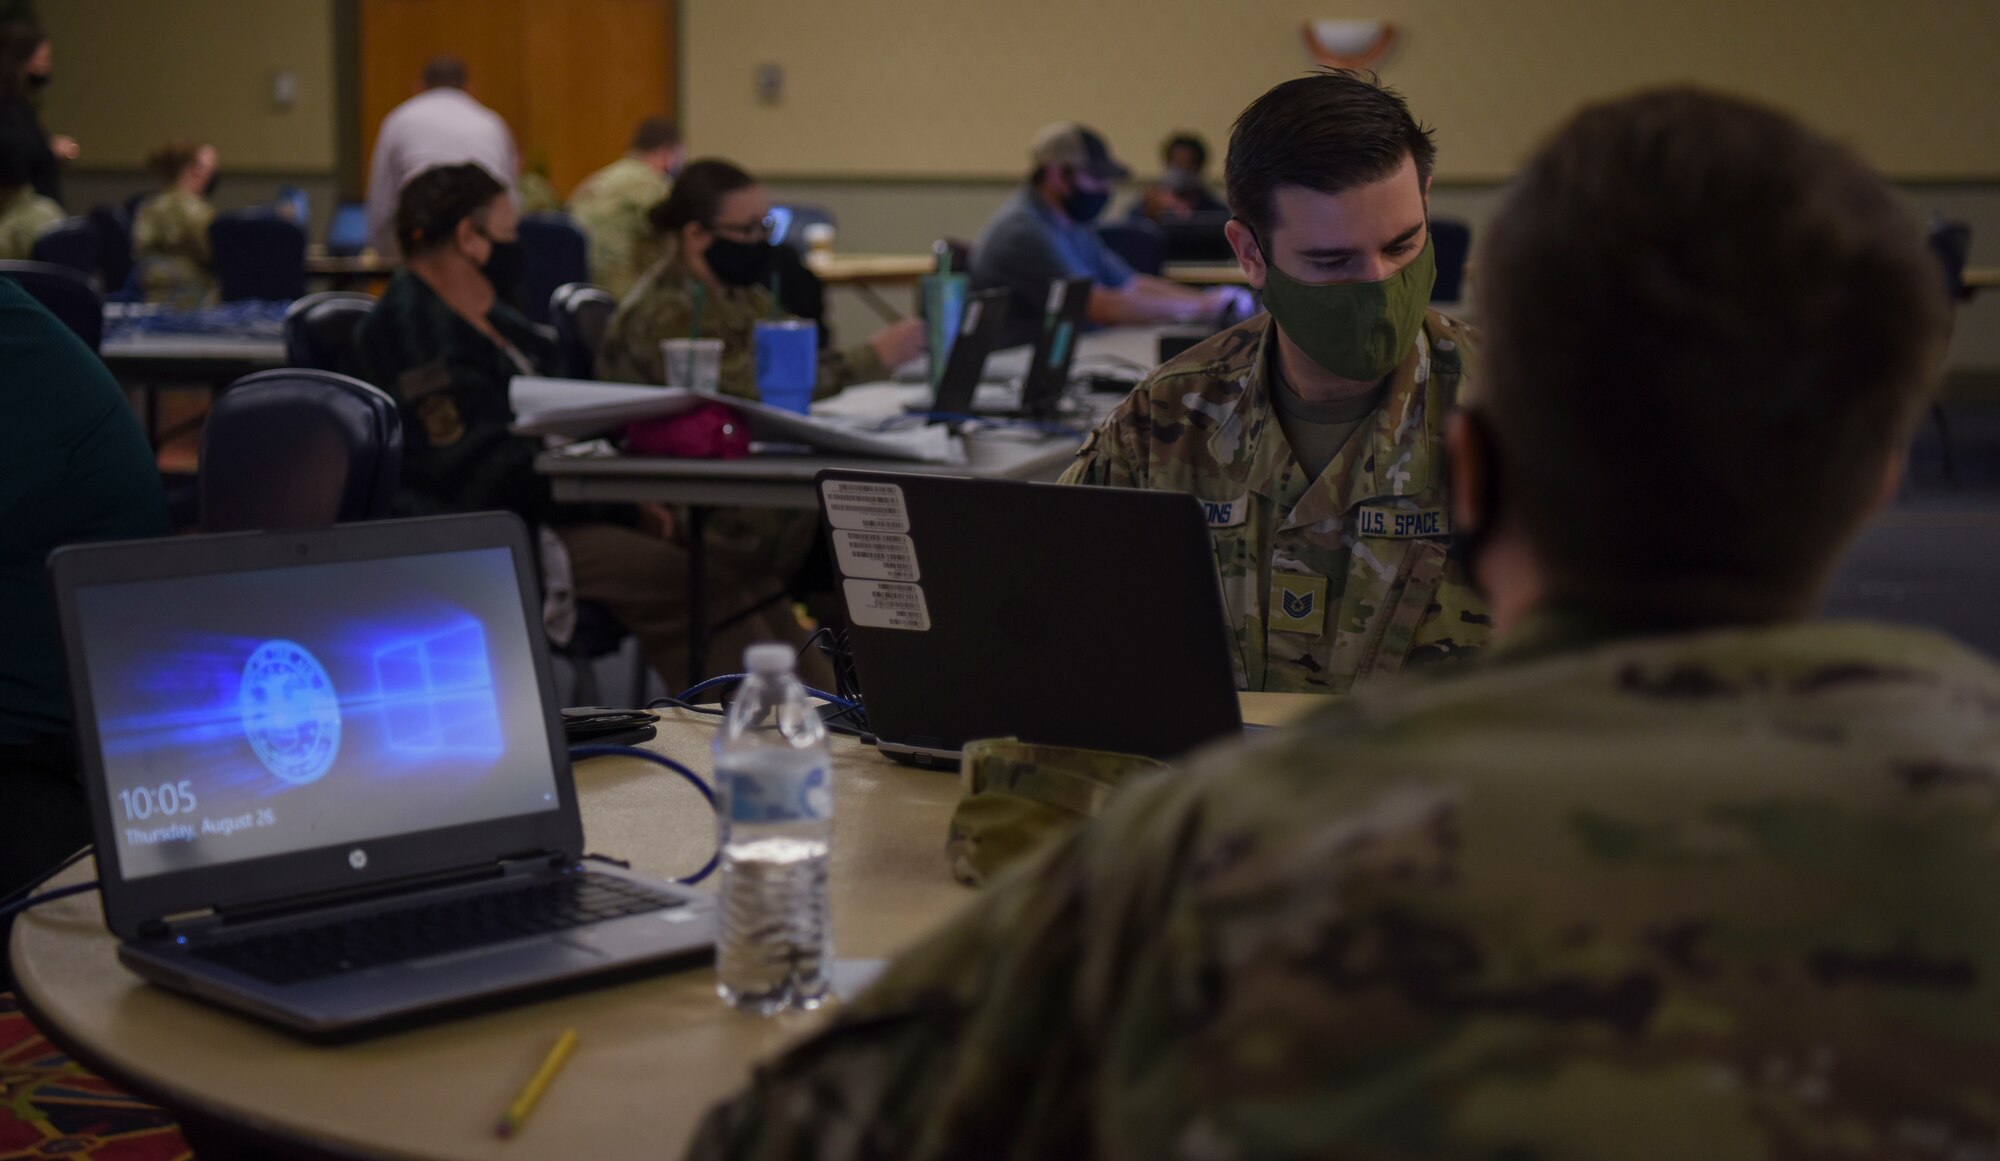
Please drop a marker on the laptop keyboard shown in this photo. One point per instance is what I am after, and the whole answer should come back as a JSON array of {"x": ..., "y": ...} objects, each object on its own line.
[{"x": 458, "y": 924}]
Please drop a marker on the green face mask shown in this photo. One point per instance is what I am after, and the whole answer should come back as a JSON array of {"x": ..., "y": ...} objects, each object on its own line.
[{"x": 1357, "y": 330}]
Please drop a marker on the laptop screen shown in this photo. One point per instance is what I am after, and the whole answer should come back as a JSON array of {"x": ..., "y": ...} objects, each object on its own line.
[{"x": 262, "y": 712}]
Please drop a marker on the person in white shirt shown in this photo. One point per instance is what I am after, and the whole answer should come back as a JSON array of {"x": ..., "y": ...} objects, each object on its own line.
[{"x": 441, "y": 125}]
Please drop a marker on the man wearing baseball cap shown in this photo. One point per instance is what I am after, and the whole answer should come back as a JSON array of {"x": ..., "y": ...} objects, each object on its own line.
[{"x": 1042, "y": 234}]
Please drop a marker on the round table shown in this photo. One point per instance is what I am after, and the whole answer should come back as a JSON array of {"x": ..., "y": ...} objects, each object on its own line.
[{"x": 652, "y": 1055}]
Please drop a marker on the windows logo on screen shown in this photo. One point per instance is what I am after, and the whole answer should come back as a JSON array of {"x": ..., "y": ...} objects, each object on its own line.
[{"x": 437, "y": 693}]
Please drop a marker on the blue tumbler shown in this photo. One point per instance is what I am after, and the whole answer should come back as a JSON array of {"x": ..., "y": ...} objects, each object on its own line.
[{"x": 787, "y": 363}]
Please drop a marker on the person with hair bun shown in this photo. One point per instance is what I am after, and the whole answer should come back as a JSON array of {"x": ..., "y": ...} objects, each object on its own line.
[{"x": 170, "y": 231}]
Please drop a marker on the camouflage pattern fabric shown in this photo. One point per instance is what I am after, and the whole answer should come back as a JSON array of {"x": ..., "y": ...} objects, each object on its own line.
[
  {"x": 1019, "y": 795},
  {"x": 1728, "y": 896},
  {"x": 663, "y": 306},
  {"x": 610, "y": 208},
  {"x": 170, "y": 247},
  {"x": 1329, "y": 582},
  {"x": 24, "y": 215},
  {"x": 536, "y": 195}
]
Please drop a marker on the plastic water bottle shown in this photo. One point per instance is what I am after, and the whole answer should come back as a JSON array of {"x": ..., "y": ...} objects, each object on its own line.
[{"x": 772, "y": 777}]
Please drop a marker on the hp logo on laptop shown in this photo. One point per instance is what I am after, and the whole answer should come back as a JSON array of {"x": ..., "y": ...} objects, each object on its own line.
[{"x": 357, "y": 858}]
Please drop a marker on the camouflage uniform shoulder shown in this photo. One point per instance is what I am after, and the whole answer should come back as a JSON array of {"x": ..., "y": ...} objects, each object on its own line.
[{"x": 1454, "y": 354}]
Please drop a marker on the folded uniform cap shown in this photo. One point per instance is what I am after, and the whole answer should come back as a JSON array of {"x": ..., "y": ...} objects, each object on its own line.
[{"x": 1068, "y": 143}]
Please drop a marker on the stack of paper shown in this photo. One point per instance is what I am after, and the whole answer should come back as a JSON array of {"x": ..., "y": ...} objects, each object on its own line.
[{"x": 585, "y": 407}]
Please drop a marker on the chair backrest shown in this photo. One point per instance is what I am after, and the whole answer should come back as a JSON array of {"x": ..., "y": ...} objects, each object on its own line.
[
  {"x": 257, "y": 254},
  {"x": 71, "y": 242},
  {"x": 318, "y": 326},
  {"x": 1141, "y": 244},
  {"x": 789, "y": 222},
  {"x": 581, "y": 313},
  {"x": 1451, "y": 244},
  {"x": 68, "y": 295},
  {"x": 1952, "y": 243},
  {"x": 298, "y": 448},
  {"x": 114, "y": 247},
  {"x": 553, "y": 252}
]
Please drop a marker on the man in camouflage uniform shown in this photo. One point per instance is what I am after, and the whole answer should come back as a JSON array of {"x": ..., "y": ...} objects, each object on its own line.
[
  {"x": 1312, "y": 434},
  {"x": 24, "y": 214},
  {"x": 610, "y": 205},
  {"x": 1668, "y": 873}
]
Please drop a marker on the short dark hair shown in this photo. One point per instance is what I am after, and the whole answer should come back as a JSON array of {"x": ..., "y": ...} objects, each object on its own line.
[
  {"x": 444, "y": 71},
  {"x": 19, "y": 42},
  {"x": 698, "y": 194},
  {"x": 435, "y": 201},
  {"x": 655, "y": 133},
  {"x": 168, "y": 160},
  {"x": 1189, "y": 142},
  {"x": 1708, "y": 331},
  {"x": 1328, "y": 131}
]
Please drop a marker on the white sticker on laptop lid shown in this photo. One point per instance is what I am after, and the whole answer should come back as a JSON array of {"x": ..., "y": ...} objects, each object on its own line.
[
  {"x": 880, "y": 604},
  {"x": 876, "y": 555},
  {"x": 971, "y": 320},
  {"x": 865, "y": 505}
]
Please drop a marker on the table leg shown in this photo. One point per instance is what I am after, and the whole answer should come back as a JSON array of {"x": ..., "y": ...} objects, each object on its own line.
[
  {"x": 697, "y": 578},
  {"x": 875, "y": 300}
]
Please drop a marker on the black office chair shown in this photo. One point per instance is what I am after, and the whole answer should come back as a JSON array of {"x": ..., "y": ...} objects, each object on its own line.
[
  {"x": 1951, "y": 242},
  {"x": 71, "y": 242},
  {"x": 68, "y": 295},
  {"x": 1451, "y": 245},
  {"x": 298, "y": 448},
  {"x": 580, "y": 313},
  {"x": 553, "y": 252},
  {"x": 1141, "y": 244},
  {"x": 789, "y": 222},
  {"x": 318, "y": 327},
  {"x": 114, "y": 249},
  {"x": 258, "y": 255}
]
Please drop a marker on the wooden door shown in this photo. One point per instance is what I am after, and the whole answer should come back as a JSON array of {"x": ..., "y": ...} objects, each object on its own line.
[{"x": 571, "y": 78}]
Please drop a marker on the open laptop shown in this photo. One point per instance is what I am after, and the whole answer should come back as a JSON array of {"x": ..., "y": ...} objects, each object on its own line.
[
  {"x": 979, "y": 326},
  {"x": 1055, "y": 348},
  {"x": 1085, "y": 617},
  {"x": 328, "y": 780},
  {"x": 347, "y": 230}
]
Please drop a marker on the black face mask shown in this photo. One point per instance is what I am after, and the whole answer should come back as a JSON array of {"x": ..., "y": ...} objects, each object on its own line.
[
  {"x": 740, "y": 263},
  {"x": 1084, "y": 207},
  {"x": 208, "y": 190},
  {"x": 38, "y": 81},
  {"x": 505, "y": 266}
]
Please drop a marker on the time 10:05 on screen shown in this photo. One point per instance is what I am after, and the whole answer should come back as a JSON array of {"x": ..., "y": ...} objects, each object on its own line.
[{"x": 168, "y": 799}]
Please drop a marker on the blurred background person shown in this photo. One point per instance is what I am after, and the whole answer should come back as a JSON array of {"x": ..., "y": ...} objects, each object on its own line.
[
  {"x": 440, "y": 125},
  {"x": 170, "y": 229},
  {"x": 1183, "y": 187},
  {"x": 24, "y": 214},
  {"x": 610, "y": 206},
  {"x": 27, "y": 65}
]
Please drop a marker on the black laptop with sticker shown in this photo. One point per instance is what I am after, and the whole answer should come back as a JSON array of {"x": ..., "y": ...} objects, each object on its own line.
[
  {"x": 1087, "y": 617},
  {"x": 328, "y": 779}
]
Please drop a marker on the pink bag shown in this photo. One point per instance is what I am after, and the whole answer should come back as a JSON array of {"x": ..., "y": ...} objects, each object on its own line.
[{"x": 709, "y": 432}]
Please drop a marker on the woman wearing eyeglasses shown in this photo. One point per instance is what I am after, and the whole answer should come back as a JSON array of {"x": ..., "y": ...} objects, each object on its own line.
[{"x": 715, "y": 277}]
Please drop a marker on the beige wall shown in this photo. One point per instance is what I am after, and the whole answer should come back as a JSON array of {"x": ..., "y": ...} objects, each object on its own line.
[
  {"x": 957, "y": 87},
  {"x": 134, "y": 74}
]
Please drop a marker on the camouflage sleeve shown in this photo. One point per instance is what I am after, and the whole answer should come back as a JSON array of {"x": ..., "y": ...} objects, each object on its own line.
[
  {"x": 630, "y": 350},
  {"x": 841, "y": 369},
  {"x": 1112, "y": 456},
  {"x": 977, "y": 1035}
]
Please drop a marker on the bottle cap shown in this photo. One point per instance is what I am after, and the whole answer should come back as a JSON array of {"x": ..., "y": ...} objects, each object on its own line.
[{"x": 768, "y": 660}]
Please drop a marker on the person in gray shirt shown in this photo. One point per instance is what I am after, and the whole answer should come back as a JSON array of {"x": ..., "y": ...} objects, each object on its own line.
[{"x": 1042, "y": 234}]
